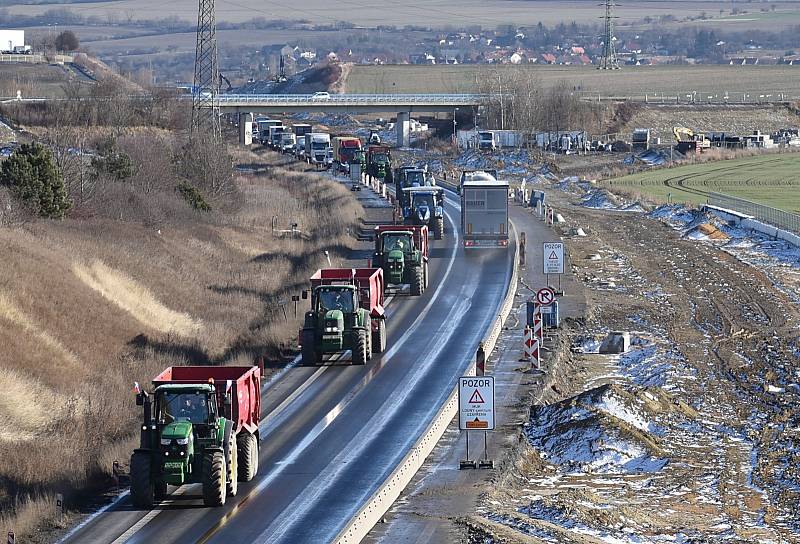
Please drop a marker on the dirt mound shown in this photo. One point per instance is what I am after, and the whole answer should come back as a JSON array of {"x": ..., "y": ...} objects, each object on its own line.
[
  {"x": 601, "y": 199},
  {"x": 607, "y": 429}
]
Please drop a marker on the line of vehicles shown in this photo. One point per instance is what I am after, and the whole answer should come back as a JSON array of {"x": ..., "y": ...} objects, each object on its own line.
[{"x": 200, "y": 424}]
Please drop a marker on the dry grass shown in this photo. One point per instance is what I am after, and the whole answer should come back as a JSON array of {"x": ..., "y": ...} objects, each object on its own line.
[{"x": 90, "y": 305}]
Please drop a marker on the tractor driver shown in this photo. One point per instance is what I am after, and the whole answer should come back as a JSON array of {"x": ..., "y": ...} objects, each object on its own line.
[
  {"x": 193, "y": 408},
  {"x": 333, "y": 300}
]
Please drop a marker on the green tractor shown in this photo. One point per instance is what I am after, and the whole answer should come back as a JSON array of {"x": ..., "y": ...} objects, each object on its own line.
[
  {"x": 200, "y": 427},
  {"x": 402, "y": 252},
  {"x": 379, "y": 161},
  {"x": 346, "y": 315}
]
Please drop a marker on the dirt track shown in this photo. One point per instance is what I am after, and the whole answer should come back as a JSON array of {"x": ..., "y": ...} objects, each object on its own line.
[{"x": 696, "y": 439}]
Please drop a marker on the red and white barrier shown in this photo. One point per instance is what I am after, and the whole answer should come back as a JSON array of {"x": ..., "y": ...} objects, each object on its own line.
[
  {"x": 532, "y": 348},
  {"x": 538, "y": 330}
]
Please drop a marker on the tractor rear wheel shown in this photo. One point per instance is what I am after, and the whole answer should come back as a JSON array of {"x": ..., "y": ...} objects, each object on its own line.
[
  {"x": 360, "y": 347},
  {"x": 438, "y": 228},
  {"x": 308, "y": 349},
  {"x": 214, "y": 478},
  {"x": 417, "y": 281},
  {"x": 232, "y": 466},
  {"x": 379, "y": 337},
  {"x": 247, "y": 446},
  {"x": 142, "y": 485}
]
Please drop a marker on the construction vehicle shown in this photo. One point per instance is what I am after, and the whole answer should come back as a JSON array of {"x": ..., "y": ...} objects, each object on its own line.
[
  {"x": 402, "y": 253},
  {"x": 688, "y": 140},
  {"x": 424, "y": 206},
  {"x": 200, "y": 426},
  {"x": 346, "y": 314},
  {"x": 484, "y": 210},
  {"x": 379, "y": 161}
]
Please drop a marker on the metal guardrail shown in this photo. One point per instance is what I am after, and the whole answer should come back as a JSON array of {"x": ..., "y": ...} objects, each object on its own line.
[{"x": 773, "y": 216}]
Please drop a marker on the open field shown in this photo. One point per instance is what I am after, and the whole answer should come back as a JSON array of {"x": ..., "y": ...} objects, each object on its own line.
[
  {"x": 488, "y": 13},
  {"x": 36, "y": 79},
  {"x": 768, "y": 179},
  {"x": 631, "y": 81}
]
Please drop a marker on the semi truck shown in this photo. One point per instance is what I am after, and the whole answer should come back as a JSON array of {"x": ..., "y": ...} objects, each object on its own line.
[
  {"x": 300, "y": 130},
  {"x": 484, "y": 210},
  {"x": 344, "y": 150},
  {"x": 275, "y": 135},
  {"x": 346, "y": 314},
  {"x": 496, "y": 139},
  {"x": 264, "y": 125},
  {"x": 200, "y": 425},
  {"x": 317, "y": 144},
  {"x": 402, "y": 253},
  {"x": 287, "y": 142}
]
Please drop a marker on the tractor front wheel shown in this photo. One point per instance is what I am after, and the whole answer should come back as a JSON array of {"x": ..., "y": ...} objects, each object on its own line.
[
  {"x": 308, "y": 349},
  {"x": 232, "y": 464},
  {"x": 142, "y": 485},
  {"x": 417, "y": 282},
  {"x": 379, "y": 337},
  {"x": 247, "y": 445},
  {"x": 360, "y": 347},
  {"x": 214, "y": 478}
]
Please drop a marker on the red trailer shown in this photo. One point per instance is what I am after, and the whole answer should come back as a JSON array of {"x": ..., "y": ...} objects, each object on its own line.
[{"x": 242, "y": 382}]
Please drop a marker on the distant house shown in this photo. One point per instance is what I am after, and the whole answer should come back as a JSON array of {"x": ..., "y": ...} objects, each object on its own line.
[
  {"x": 577, "y": 50},
  {"x": 584, "y": 59},
  {"x": 548, "y": 58}
]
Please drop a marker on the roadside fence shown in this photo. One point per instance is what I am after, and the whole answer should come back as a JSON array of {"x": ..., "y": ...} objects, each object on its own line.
[{"x": 773, "y": 216}]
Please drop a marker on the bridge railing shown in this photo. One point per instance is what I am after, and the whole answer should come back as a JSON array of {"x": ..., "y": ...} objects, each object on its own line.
[{"x": 458, "y": 99}]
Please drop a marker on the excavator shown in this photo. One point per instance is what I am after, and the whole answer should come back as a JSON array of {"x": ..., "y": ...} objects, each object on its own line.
[{"x": 688, "y": 140}]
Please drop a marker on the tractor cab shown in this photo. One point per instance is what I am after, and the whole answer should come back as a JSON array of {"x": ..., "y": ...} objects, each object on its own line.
[
  {"x": 187, "y": 420},
  {"x": 422, "y": 205},
  {"x": 398, "y": 247}
]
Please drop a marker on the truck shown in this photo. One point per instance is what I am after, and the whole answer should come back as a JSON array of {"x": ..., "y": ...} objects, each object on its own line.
[
  {"x": 344, "y": 150},
  {"x": 402, "y": 253},
  {"x": 484, "y": 210},
  {"x": 300, "y": 130},
  {"x": 287, "y": 142},
  {"x": 200, "y": 425},
  {"x": 9, "y": 39},
  {"x": 317, "y": 144},
  {"x": 264, "y": 125},
  {"x": 379, "y": 161},
  {"x": 300, "y": 146},
  {"x": 496, "y": 139},
  {"x": 275, "y": 134},
  {"x": 346, "y": 314},
  {"x": 424, "y": 206}
]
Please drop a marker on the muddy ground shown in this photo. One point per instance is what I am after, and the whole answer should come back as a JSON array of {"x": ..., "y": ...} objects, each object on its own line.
[{"x": 690, "y": 436}]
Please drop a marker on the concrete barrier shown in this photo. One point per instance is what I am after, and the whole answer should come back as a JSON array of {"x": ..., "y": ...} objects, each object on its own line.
[{"x": 751, "y": 223}]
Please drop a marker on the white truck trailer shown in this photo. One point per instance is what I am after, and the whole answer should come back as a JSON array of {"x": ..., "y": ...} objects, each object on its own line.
[{"x": 484, "y": 211}]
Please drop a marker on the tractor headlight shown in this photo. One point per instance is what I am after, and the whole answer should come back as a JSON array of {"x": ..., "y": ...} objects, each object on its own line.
[
  {"x": 166, "y": 441},
  {"x": 183, "y": 441},
  {"x": 331, "y": 329}
]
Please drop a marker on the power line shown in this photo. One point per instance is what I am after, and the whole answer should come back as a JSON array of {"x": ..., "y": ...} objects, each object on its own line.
[{"x": 608, "y": 60}]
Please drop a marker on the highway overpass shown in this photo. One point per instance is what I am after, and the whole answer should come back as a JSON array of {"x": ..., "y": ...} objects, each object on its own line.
[{"x": 401, "y": 104}]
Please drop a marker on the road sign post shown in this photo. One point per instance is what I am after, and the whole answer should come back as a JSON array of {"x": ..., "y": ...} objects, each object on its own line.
[
  {"x": 553, "y": 260},
  {"x": 476, "y": 412}
]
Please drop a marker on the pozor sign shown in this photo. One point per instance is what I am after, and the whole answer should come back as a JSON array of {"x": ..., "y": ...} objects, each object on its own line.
[{"x": 476, "y": 403}]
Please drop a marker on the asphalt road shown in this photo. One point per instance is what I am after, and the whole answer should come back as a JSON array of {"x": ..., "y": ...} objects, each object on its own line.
[{"x": 333, "y": 433}]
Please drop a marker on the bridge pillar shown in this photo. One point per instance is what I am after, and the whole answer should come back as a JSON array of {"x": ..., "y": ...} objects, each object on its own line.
[
  {"x": 403, "y": 127},
  {"x": 245, "y": 129}
]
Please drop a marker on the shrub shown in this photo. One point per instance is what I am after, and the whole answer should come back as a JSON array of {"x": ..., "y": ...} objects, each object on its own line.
[
  {"x": 193, "y": 197},
  {"x": 33, "y": 177}
]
